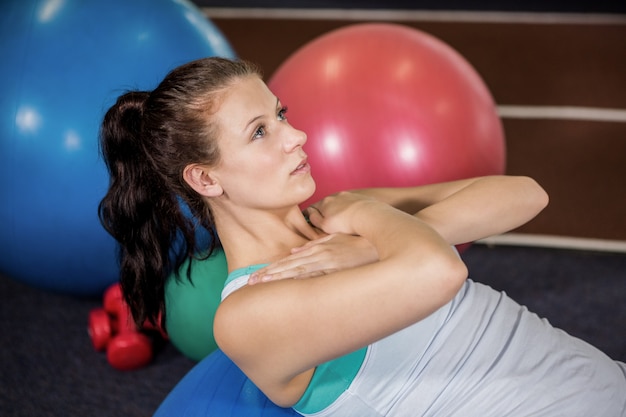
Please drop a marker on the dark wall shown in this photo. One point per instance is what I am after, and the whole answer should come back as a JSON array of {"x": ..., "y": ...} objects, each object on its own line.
[
  {"x": 581, "y": 163},
  {"x": 578, "y": 6}
]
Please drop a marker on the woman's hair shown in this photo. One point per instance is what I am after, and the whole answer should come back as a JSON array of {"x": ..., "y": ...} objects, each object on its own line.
[{"x": 147, "y": 139}]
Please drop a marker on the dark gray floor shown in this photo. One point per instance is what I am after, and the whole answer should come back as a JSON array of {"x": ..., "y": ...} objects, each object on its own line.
[{"x": 49, "y": 368}]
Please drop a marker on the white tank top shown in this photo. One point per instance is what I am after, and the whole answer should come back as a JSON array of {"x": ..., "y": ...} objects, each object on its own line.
[{"x": 481, "y": 355}]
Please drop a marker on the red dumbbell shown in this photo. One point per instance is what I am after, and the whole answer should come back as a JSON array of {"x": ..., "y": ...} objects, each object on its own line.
[
  {"x": 100, "y": 328},
  {"x": 112, "y": 328},
  {"x": 113, "y": 298}
]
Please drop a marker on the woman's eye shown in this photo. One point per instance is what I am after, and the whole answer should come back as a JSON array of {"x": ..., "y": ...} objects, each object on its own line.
[
  {"x": 282, "y": 114},
  {"x": 259, "y": 133}
]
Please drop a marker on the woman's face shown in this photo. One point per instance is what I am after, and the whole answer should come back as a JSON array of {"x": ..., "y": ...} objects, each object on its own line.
[{"x": 262, "y": 161}]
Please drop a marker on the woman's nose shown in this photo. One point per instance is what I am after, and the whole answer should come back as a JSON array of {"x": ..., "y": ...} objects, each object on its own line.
[{"x": 295, "y": 138}]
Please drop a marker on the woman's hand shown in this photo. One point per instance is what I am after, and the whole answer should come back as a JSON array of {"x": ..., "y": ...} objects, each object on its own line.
[
  {"x": 341, "y": 249},
  {"x": 342, "y": 212},
  {"x": 319, "y": 257}
]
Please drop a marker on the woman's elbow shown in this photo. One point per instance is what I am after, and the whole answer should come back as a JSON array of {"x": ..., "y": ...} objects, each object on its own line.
[
  {"x": 449, "y": 273},
  {"x": 456, "y": 274},
  {"x": 535, "y": 194},
  {"x": 543, "y": 198}
]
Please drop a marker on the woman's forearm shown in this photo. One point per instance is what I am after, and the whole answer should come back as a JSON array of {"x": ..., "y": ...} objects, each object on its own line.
[
  {"x": 488, "y": 206},
  {"x": 467, "y": 210}
]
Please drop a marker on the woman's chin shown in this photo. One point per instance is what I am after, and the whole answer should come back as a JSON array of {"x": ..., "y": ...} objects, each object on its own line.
[{"x": 307, "y": 192}]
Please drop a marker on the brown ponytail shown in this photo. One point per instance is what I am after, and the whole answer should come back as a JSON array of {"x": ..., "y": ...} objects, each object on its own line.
[{"x": 147, "y": 139}]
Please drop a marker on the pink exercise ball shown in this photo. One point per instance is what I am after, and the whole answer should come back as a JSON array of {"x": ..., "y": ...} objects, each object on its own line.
[{"x": 389, "y": 105}]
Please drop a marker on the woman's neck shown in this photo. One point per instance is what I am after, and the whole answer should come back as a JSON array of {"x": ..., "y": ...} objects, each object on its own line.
[{"x": 258, "y": 236}]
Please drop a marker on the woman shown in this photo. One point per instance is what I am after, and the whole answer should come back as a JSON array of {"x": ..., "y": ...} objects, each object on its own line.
[{"x": 397, "y": 329}]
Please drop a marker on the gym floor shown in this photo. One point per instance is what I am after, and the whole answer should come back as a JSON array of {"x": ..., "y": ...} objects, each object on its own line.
[{"x": 48, "y": 366}]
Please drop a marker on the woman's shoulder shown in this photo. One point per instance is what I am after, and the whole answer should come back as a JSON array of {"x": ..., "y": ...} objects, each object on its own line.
[{"x": 252, "y": 326}]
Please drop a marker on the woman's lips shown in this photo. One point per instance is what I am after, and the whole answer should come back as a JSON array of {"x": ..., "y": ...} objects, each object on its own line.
[{"x": 302, "y": 168}]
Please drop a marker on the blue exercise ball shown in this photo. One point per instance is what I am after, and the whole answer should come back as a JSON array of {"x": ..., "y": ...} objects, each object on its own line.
[
  {"x": 64, "y": 63},
  {"x": 215, "y": 387}
]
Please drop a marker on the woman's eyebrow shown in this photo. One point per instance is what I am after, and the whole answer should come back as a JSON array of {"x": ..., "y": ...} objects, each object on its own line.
[{"x": 251, "y": 121}]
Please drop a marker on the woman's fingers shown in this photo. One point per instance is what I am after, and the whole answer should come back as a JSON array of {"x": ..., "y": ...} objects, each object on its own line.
[
  {"x": 304, "y": 262},
  {"x": 319, "y": 257}
]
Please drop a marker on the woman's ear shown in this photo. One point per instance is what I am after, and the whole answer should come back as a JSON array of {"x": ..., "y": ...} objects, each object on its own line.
[{"x": 199, "y": 178}]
